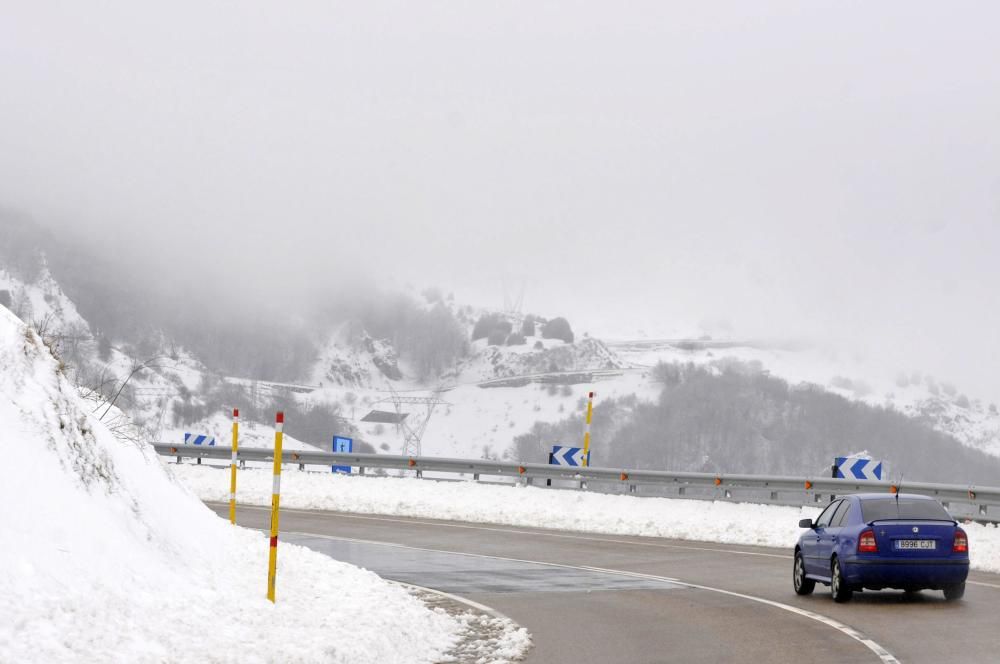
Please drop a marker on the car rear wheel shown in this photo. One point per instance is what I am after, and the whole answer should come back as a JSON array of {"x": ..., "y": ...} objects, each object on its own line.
[
  {"x": 951, "y": 593},
  {"x": 838, "y": 586},
  {"x": 803, "y": 586}
]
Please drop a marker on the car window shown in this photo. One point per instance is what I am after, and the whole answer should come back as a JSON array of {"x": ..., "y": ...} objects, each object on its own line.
[
  {"x": 883, "y": 509},
  {"x": 841, "y": 515},
  {"x": 824, "y": 518}
]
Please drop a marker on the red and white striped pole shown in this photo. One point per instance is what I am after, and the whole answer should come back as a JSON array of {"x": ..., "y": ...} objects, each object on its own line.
[{"x": 272, "y": 558}]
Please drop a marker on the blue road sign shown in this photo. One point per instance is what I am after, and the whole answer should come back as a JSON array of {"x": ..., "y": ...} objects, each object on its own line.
[
  {"x": 566, "y": 456},
  {"x": 856, "y": 468},
  {"x": 341, "y": 444},
  {"x": 198, "y": 439}
]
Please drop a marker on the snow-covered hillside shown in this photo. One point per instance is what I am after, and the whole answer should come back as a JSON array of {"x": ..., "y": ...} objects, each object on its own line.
[
  {"x": 493, "y": 394},
  {"x": 106, "y": 558},
  {"x": 939, "y": 404}
]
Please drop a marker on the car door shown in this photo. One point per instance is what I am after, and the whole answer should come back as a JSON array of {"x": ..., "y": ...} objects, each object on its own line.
[
  {"x": 828, "y": 535},
  {"x": 810, "y": 541}
]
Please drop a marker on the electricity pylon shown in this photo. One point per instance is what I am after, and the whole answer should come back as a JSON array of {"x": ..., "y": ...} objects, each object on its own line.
[{"x": 412, "y": 435}]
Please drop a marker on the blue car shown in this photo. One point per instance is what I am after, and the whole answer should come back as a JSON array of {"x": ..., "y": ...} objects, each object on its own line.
[{"x": 876, "y": 541}]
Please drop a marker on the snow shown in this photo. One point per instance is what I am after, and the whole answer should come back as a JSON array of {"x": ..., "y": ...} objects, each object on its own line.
[
  {"x": 516, "y": 505},
  {"x": 105, "y": 558}
]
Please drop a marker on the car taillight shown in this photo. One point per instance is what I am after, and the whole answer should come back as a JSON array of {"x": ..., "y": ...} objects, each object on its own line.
[
  {"x": 866, "y": 542},
  {"x": 961, "y": 544}
]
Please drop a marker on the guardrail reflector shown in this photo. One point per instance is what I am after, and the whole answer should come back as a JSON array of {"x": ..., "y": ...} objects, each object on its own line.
[
  {"x": 893, "y": 488},
  {"x": 412, "y": 463},
  {"x": 972, "y": 494},
  {"x": 718, "y": 481},
  {"x": 624, "y": 477},
  {"x": 521, "y": 470},
  {"x": 173, "y": 450},
  {"x": 809, "y": 485}
]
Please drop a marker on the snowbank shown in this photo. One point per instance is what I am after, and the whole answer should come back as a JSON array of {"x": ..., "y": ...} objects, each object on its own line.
[
  {"x": 729, "y": 523},
  {"x": 105, "y": 558}
]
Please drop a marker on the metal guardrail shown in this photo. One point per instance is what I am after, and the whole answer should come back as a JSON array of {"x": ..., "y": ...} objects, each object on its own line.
[{"x": 721, "y": 486}]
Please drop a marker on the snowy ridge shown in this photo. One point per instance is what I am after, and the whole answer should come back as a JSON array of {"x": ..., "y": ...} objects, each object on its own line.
[
  {"x": 43, "y": 301},
  {"x": 352, "y": 358},
  {"x": 106, "y": 558}
]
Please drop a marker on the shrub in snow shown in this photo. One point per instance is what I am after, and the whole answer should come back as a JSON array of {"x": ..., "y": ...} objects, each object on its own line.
[
  {"x": 528, "y": 325},
  {"x": 539, "y": 346},
  {"x": 516, "y": 340},
  {"x": 489, "y": 324},
  {"x": 558, "y": 328},
  {"x": 496, "y": 338}
]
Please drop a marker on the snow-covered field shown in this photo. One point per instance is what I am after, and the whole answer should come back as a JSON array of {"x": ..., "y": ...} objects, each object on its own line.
[
  {"x": 106, "y": 559},
  {"x": 731, "y": 523}
]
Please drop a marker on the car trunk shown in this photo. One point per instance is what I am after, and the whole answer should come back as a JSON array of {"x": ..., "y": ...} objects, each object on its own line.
[{"x": 913, "y": 539}]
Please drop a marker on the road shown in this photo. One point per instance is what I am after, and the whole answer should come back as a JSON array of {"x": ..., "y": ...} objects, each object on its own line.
[{"x": 596, "y": 598}]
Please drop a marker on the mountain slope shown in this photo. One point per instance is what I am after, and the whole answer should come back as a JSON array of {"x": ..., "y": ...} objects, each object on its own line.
[{"x": 105, "y": 558}]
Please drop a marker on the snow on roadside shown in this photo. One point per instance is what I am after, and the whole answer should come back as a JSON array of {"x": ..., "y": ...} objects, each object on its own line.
[
  {"x": 105, "y": 558},
  {"x": 723, "y": 522}
]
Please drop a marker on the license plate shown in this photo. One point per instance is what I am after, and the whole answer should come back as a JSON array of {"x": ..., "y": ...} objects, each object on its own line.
[{"x": 916, "y": 544}]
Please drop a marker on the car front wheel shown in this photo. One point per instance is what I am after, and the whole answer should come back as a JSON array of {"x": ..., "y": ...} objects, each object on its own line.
[
  {"x": 838, "y": 586},
  {"x": 803, "y": 586}
]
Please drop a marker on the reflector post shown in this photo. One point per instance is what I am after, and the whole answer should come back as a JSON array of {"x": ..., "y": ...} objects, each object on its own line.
[
  {"x": 586, "y": 433},
  {"x": 272, "y": 558},
  {"x": 232, "y": 466}
]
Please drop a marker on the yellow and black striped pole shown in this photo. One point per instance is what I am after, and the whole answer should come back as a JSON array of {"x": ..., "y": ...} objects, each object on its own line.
[
  {"x": 272, "y": 558},
  {"x": 586, "y": 435},
  {"x": 232, "y": 466}
]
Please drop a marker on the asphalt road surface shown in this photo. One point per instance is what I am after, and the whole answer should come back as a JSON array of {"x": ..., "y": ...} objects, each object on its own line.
[{"x": 603, "y": 598}]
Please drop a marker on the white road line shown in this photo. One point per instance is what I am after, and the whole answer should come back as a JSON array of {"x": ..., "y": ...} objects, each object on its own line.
[
  {"x": 482, "y": 608},
  {"x": 985, "y": 585},
  {"x": 541, "y": 532},
  {"x": 884, "y": 655}
]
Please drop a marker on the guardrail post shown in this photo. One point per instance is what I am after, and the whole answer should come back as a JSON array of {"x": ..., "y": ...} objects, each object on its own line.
[{"x": 199, "y": 461}]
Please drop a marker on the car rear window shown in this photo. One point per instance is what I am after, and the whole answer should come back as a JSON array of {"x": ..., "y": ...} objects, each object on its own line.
[{"x": 882, "y": 509}]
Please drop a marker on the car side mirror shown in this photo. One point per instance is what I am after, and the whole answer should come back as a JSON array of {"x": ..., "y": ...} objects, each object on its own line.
[{"x": 806, "y": 523}]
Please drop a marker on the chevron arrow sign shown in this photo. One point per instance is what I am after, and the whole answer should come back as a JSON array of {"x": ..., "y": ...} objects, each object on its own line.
[
  {"x": 198, "y": 439},
  {"x": 566, "y": 456},
  {"x": 856, "y": 468}
]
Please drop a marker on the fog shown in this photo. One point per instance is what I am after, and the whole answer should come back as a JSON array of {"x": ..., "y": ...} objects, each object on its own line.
[{"x": 826, "y": 172}]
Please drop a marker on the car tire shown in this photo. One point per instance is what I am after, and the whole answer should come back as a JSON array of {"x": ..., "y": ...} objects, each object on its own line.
[
  {"x": 957, "y": 591},
  {"x": 838, "y": 585},
  {"x": 802, "y": 585}
]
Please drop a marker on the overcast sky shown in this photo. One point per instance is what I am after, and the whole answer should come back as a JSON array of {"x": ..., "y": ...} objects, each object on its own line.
[{"x": 828, "y": 171}]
